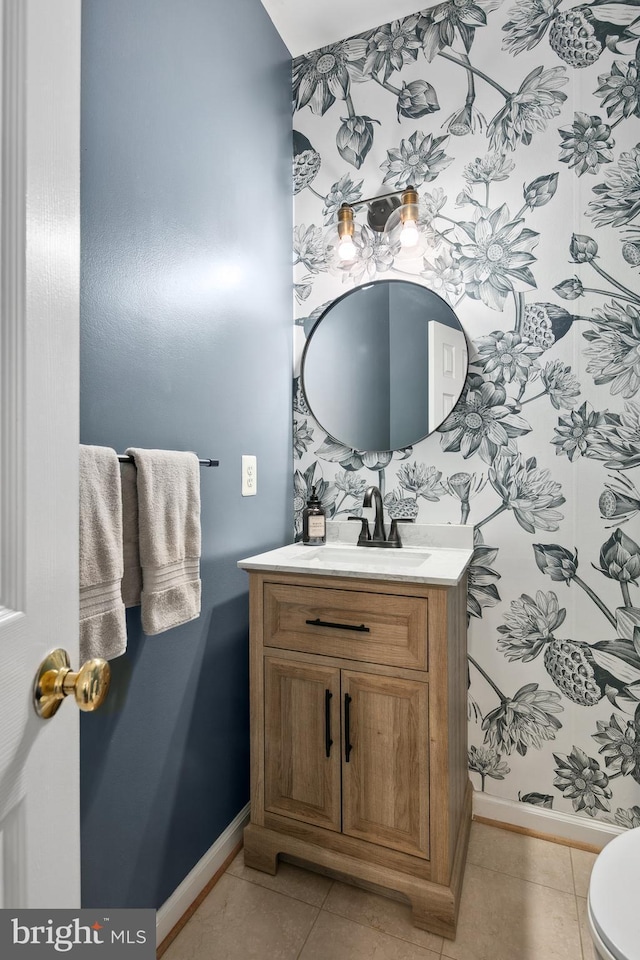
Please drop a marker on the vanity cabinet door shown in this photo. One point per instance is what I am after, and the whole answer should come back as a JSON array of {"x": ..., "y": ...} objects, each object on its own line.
[
  {"x": 302, "y": 766},
  {"x": 385, "y": 761}
]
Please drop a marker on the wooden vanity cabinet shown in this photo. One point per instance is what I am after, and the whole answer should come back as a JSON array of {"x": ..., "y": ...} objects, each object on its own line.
[{"x": 358, "y": 735}]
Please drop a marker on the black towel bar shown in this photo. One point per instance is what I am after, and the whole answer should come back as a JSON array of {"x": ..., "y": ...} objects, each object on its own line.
[{"x": 123, "y": 458}]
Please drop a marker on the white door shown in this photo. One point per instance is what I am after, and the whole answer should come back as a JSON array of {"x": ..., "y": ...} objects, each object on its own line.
[
  {"x": 39, "y": 253},
  {"x": 447, "y": 370}
]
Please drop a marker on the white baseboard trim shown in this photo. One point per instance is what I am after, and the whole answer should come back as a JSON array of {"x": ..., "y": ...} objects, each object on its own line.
[
  {"x": 539, "y": 820},
  {"x": 183, "y": 896}
]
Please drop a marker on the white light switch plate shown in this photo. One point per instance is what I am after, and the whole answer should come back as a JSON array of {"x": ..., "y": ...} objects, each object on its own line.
[{"x": 249, "y": 476}]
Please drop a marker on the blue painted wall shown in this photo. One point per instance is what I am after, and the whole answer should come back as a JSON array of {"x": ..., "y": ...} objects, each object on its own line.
[{"x": 186, "y": 334}]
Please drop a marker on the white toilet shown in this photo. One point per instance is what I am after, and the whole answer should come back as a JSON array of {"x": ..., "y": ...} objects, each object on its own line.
[{"x": 614, "y": 899}]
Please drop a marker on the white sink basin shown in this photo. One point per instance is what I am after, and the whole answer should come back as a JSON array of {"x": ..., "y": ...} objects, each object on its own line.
[
  {"x": 366, "y": 558},
  {"x": 431, "y": 553}
]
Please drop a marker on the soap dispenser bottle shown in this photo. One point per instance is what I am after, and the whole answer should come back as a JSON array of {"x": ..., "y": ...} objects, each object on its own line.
[{"x": 314, "y": 527}]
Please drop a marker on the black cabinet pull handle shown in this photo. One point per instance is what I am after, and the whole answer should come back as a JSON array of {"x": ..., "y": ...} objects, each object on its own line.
[
  {"x": 327, "y": 722},
  {"x": 337, "y": 626},
  {"x": 347, "y": 727}
]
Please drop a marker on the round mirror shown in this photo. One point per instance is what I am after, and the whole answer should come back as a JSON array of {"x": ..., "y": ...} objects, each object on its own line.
[{"x": 384, "y": 365}]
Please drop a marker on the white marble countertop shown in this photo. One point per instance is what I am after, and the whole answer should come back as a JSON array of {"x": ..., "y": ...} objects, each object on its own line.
[{"x": 431, "y": 553}]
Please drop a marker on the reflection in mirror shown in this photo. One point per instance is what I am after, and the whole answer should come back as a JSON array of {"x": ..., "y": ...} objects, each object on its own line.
[{"x": 384, "y": 365}]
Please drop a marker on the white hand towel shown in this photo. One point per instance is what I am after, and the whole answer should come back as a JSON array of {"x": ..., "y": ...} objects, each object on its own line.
[
  {"x": 103, "y": 631},
  {"x": 168, "y": 484}
]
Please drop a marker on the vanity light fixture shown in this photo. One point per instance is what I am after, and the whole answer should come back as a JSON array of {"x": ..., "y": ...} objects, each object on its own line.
[{"x": 396, "y": 215}]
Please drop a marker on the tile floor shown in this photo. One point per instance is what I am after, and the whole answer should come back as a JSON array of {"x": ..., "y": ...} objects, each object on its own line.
[{"x": 522, "y": 899}]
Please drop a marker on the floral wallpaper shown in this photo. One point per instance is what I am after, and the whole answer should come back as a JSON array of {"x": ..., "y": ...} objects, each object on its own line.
[{"x": 518, "y": 125}]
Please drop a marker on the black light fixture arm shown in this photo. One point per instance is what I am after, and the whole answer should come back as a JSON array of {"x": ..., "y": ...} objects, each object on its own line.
[{"x": 380, "y": 196}]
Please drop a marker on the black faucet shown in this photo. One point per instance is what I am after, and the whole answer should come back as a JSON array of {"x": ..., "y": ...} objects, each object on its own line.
[
  {"x": 373, "y": 493},
  {"x": 379, "y": 538}
]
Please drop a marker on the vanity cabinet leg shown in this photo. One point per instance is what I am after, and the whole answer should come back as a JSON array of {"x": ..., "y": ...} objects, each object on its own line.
[
  {"x": 435, "y": 913},
  {"x": 259, "y": 852}
]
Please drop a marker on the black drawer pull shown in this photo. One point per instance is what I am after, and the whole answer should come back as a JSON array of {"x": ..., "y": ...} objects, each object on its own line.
[
  {"x": 347, "y": 727},
  {"x": 338, "y": 626},
  {"x": 327, "y": 722}
]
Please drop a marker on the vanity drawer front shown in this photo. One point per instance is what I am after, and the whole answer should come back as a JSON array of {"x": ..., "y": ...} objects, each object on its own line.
[{"x": 373, "y": 627}]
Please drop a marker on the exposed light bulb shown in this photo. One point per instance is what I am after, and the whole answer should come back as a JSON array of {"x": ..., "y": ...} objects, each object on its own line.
[
  {"x": 346, "y": 248},
  {"x": 409, "y": 235}
]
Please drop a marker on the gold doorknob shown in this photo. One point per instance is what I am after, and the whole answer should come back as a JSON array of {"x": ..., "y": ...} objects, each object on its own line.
[{"x": 55, "y": 680}]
